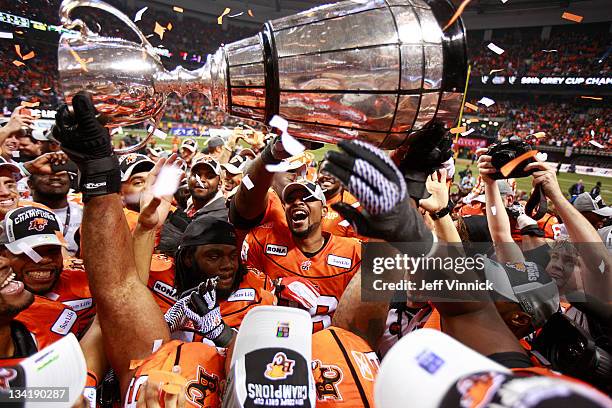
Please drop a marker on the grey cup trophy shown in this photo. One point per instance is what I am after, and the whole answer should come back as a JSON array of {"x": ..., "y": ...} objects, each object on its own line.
[{"x": 374, "y": 70}]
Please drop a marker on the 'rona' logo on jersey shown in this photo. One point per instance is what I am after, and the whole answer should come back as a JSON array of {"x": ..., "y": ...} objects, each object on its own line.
[
  {"x": 276, "y": 250},
  {"x": 38, "y": 224},
  {"x": 165, "y": 290},
  {"x": 327, "y": 378},
  {"x": 199, "y": 389}
]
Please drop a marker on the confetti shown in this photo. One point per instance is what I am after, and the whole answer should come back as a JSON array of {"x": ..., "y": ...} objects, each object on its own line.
[
  {"x": 344, "y": 223},
  {"x": 596, "y": 144},
  {"x": 291, "y": 145},
  {"x": 495, "y": 49},
  {"x": 250, "y": 13},
  {"x": 28, "y": 56},
  {"x": 168, "y": 181},
  {"x": 592, "y": 133},
  {"x": 80, "y": 60},
  {"x": 504, "y": 1},
  {"x": 159, "y": 30},
  {"x": 468, "y": 132},
  {"x": 237, "y": 15},
  {"x": 30, "y": 252},
  {"x": 46, "y": 89},
  {"x": 472, "y": 107},
  {"x": 457, "y": 14},
  {"x": 550, "y": 51},
  {"x": 18, "y": 50},
  {"x": 486, "y": 101},
  {"x": 157, "y": 133},
  {"x": 247, "y": 182},
  {"x": 177, "y": 9},
  {"x": 539, "y": 135},
  {"x": 225, "y": 12},
  {"x": 18, "y": 63},
  {"x": 541, "y": 156},
  {"x": 6, "y": 35},
  {"x": 596, "y": 98},
  {"x": 139, "y": 14},
  {"x": 169, "y": 27},
  {"x": 473, "y": 120},
  {"x": 572, "y": 17},
  {"x": 495, "y": 70},
  {"x": 493, "y": 210},
  {"x": 456, "y": 130},
  {"x": 15, "y": 153},
  {"x": 278, "y": 168},
  {"x": 30, "y": 104}
]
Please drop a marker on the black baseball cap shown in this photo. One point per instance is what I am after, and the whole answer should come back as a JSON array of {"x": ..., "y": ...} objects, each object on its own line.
[
  {"x": 134, "y": 163},
  {"x": 208, "y": 230},
  {"x": 29, "y": 227}
]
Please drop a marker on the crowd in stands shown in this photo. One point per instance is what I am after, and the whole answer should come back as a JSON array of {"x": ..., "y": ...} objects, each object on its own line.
[{"x": 570, "y": 50}]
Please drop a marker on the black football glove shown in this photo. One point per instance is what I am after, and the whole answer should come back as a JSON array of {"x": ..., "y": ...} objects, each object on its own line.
[
  {"x": 426, "y": 152},
  {"x": 370, "y": 175},
  {"x": 88, "y": 144}
]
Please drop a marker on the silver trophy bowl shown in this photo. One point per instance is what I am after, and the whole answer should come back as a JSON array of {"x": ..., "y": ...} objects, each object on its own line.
[{"x": 375, "y": 70}]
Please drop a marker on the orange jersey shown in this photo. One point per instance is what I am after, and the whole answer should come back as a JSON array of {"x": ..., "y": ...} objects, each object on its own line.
[
  {"x": 275, "y": 213},
  {"x": 333, "y": 221},
  {"x": 201, "y": 364},
  {"x": 546, "y": 223},
  {"x": 344, "y": 369},
  {"x": 254, "y": 290},
  {"x": 131, "y": 217},
  {"x": 161, "y": 281},
  {"x": 271, "y": 249},
  {"x": 72, "y": 289},
  {"x": 47, "y": 322}
]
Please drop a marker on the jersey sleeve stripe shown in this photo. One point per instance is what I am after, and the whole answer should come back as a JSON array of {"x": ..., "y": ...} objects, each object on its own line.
[{"x": 362, "y": 393}]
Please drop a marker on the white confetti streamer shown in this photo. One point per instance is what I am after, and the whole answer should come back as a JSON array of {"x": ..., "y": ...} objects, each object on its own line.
[
  {"x": 158, "y": 133},
  {"x": 344, "y": 223},
  {"x": 486, "y": 101},
  {"x": 278, "y": 168},
  {"x": 495, "y": 49},
  {"x": 291, "y": 144},
  {"x": 8, "y": 36},
  {"x": 467, "y": 132},
  {"x": 596, "y": 144},
  {"x": 540, "y": 156},
  {"x": 167, "y": 181},
  {"x": 247, "y": 182},
  {"x": 30, "y": 252},
  {"x": 139, "y": 14},
  {"x": 493, "y": 210}
]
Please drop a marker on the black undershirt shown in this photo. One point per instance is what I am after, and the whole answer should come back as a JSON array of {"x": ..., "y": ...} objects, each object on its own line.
[{"x": 311, "y": 254}]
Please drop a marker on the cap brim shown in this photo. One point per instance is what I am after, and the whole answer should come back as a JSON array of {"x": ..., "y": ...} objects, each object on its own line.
[
  {"x": 205, "y": 163},
  {"x": 259, "y": 330},
  {"x": 33, "y": 241},
  {"x": 291, "y": 187},
  {"x": 146, "y": 165},
  {"x": 10, "y": 167},
  {"x": 189, "y": 147},
  {"x": 604, "y": 212},
  {"x": 59, "y": 365},
  {"x": 230, "y": 168},
  {"x": 423, "y": 365}
]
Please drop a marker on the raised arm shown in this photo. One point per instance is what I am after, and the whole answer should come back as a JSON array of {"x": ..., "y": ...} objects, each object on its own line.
[
  {"x": 498, "y": 221},
  {"x": 130, "y": 319}
]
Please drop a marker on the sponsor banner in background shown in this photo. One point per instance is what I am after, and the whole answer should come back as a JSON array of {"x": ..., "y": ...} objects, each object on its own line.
[
  {"x": 593, "y": 82},
  {"x": 471, "y": 142},
  {"x": 588, "y": 170},
  {"x": 185, "y": 131}
]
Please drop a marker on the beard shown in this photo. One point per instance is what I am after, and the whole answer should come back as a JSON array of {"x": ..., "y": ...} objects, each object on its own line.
[
  {"x": 7, "y": 310},
  {"x": 305, "y": 233},
  {"x": 205, "y": 198}
]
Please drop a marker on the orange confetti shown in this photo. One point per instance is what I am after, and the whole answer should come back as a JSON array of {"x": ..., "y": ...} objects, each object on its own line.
[
  {"x": 572, "y": 17},
  {"x": 596, "y": 98},
  {"x": 473, "y": 120},
  {"x": 177, "y": 9},
  {"x": 78, "y": 59},
  {"x": 18, "y": 63},
  {"x": 169, "y": 26},
  {"x": 457, "y": 14},
  {"x": 18, "y": 50},
  {"x": 159, "y": 30},
  {"x": 456, "y": 130},
  {"x": 29, "y": 104},
  {"x": 28, "y": 56},
  {"x": 472, "y": 107},
  {"x": 250, "y": 12},
  {"x": 225, "y": 12}
]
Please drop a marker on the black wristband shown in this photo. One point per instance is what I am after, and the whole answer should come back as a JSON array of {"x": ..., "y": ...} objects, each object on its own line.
[
  {"x": 440, "y": 214},
  {"x": 99, "y": 177},
  {"x": 225, "y": 337},
  {"x": 532, "y": 230},
  {"x": 267, "y": 156}
]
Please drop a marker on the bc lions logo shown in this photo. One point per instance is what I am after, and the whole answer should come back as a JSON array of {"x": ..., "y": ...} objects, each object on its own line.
[
  {"x": 38, "y": 224},
  {"x": 280, "y": 368},
  {"x": 327, "y": 378},
  {"x": 6, "y": 375},
  {"x": 477, "y": 391},
  {"x": 130, "y": 158},
  {"x": 205, "y": 384}
]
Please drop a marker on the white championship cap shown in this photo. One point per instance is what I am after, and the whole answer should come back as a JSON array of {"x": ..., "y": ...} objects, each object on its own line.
[
  {"x": 60, "y": 366},
  {"x": 423, "y": 365},
  {"x": 271, "y": 361}
]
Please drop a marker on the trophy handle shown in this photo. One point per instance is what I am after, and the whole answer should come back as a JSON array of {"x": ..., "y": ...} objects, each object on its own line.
[
  {"x": 142, "y": 143},
  {"x": 68, "y": 5}
]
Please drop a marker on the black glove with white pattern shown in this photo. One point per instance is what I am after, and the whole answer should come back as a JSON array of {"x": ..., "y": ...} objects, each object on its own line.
[
  {"x": 370, "y": 175},
  {"x": 198, "y": 307}
]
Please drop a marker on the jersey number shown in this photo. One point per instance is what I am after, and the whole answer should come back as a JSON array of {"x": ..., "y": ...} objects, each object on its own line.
[{"x": 322, "y": 312}]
